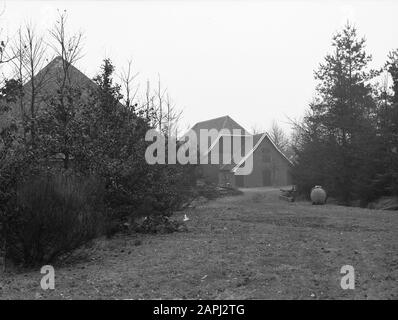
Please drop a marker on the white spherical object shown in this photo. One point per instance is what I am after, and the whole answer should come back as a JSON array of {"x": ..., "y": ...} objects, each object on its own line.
[{"x": 318, "y": 195}]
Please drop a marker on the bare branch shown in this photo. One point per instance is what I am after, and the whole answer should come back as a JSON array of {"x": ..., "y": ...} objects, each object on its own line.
[
  {"x": 127, "y": 79},
  {"x": 69, "y": 48}
]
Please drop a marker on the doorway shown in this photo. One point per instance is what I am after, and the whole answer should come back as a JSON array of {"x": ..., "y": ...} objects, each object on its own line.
[{"x": 267, "y": 177}]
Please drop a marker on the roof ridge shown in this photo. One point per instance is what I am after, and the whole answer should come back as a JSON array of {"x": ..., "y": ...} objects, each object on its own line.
[
  {"x": 213, "y": 119},
  {"x": 52, "y": 65},
  {"x": 273, "y": 144},
  {"x": 225, "y": 121}
]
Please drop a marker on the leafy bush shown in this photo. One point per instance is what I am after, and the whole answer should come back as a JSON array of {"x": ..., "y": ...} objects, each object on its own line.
[
  {"x": 160, "y": 224},
  {"x": 52, "y": 215},
  {"x": 212, "y": 191},
  {"x": 45, "y": 212}
]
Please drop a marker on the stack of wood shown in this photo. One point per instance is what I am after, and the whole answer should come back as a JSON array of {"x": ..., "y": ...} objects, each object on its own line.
[{"x": 288, "y": 194}]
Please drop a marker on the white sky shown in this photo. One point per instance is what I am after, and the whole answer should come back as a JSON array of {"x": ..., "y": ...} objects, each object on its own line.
[{"x": 252, "y": 60}]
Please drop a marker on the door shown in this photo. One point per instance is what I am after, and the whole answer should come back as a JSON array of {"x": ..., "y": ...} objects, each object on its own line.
[{"x": 267, "y": 177}]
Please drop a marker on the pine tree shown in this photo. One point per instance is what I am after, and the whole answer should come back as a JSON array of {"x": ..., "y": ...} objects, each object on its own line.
[
  {"x": 343, "y": 115},
  {"x": 387, "y": 179}
]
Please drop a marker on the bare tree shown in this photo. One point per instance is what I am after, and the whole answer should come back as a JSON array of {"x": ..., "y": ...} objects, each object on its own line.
[
  {"x": 18, "y": 51},
  {"x": 69, "y": 49},
  {"x": 149, "y": 105},
  {"x": 148, "y": 99},
  {"x": 171, "y": 118},
  {"x": 158, "y": 110},
  {"x": 31, "y": 56},
  {"x": 127, "y": 77},
  {"x": 165, "y": 112},
  {"x": 256, "y": 129},
  {"x": 157, "y": 106},
  {"x": 279, "y": 137},
  {"x": 5, "y": 57}
]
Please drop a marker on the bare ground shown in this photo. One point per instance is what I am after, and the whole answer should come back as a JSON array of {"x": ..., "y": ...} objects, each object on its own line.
[{"x": 253, "y": 246}]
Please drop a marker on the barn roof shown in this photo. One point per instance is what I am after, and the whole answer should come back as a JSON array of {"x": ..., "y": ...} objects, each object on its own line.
[
  {"x": 47, "y": 82},
  {"x": 50, "y": 75},
  {"x": 225, "y": 122},
  {"x": 257, "y": 139}
]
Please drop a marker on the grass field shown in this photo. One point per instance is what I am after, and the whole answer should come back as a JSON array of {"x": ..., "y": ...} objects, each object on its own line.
[{"x": 253, "y": 246}]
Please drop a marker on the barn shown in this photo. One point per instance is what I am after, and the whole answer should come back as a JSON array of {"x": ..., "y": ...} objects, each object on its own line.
[
  {"x": 46, "y": 83},
  {"x": 270, "y": 166}
]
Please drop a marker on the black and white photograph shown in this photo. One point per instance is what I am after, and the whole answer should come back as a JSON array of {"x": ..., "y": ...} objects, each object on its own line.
[{"x": 199, "y": 154}]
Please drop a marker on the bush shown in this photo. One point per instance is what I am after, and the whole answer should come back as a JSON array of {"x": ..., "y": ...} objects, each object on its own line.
[
  {"x": 213, "y": 191},
  {"x": 159, "y": 224},
  {"x": 138, "y": 189},
  {"x": 52, "y": 215},
  {"x": 45, "y": 214}
]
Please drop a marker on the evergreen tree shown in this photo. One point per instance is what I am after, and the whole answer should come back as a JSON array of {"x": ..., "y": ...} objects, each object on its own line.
[
  {"x": 60, "y": 125},
  {"x": 340, "y": 149},
  {"x": 387, "y": 179}
]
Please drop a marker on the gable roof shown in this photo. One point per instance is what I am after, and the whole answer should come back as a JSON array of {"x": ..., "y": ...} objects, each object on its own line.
[
  {"x": 52, "y": 73},
  {"x": 257, "y": 139},
  {"x": 257, "y": 136},
  {"x": 225, "y": 122},
  {"x": 47, "y": 82}
]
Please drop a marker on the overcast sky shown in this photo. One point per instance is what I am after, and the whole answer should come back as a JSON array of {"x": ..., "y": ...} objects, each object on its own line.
[{"x": 252, "y": 60}]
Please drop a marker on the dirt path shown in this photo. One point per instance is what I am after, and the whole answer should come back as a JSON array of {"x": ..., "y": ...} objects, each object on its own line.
[{"x": 253, "y": 246}]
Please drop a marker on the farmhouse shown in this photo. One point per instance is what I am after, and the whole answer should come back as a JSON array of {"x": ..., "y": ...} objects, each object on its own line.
[
  {"x": 45, "y": 85},
  {"x": 270, "y": 166},
  {"x": 46, "y": 82}
]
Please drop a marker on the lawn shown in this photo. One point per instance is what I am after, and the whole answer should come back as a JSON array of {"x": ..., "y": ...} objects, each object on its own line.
[{"x": 252, "y": 246}]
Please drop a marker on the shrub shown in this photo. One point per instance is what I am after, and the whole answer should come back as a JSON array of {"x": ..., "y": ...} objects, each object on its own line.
[
  {"x": 159, "y": 224},
  {"x": 52, "y": 215},
  {"x": 137, "y": 189}
]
